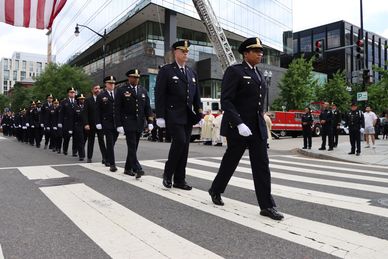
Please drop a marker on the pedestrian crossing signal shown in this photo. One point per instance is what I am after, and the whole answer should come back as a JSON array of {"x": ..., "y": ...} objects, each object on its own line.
[{"x": 318, "y": 49}]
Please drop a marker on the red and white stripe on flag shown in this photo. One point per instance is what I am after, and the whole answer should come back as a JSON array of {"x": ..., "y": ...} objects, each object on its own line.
[{"x": 37, "y": 14}]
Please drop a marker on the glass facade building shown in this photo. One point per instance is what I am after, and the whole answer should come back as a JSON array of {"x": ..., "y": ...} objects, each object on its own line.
[
  {"x": 136, "y": 34},
  {"x": 338, "y": 35}
]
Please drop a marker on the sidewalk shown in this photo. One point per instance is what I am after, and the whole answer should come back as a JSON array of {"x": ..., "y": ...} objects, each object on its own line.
[{"x": 377, "y": 156}]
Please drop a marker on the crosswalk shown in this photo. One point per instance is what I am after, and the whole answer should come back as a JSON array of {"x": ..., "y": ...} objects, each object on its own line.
[{"x": 125, "y": 232}]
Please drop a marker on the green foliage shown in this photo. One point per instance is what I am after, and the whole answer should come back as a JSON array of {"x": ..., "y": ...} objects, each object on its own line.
[
  {"x": 57, "y": 79},
  {"x": 378, "y": 92},
  {"x": 21, "y": 97},
  {"x": 296, "y": 86},
  {"x": 4, "y": 102},
  {"x": 335, "y": 91}
]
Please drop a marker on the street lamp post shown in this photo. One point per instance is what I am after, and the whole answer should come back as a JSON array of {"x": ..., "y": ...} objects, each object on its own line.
[
  {"x": 103, "y": 36},
  {"x": 268, "y": 77}
]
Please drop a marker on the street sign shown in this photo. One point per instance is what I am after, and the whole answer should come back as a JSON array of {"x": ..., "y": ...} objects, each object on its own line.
[{"x": 362, "y": 96}]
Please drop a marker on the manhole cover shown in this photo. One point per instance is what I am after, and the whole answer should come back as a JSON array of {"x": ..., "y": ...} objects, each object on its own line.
[
  {"x": 56, "y": 181},
  {"x": 383, "y": 201}
]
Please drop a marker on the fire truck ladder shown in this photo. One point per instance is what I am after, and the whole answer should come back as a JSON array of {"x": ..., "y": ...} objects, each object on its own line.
[{"x": 215, "y": 33}]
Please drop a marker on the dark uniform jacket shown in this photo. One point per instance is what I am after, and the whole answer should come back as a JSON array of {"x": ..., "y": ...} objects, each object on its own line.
[
  {"x": 177, "y": 97},
  {"x": 79, "y": 116},
  {"x": 105, "y": 111},
  {"x": 308, "y": 118},
  {"x": 327, "y": 116},
  {"x": 90, "y": 112},
  {"x": 35, "y": 117},
  {"x": 242, "y": 99},
  {"x": 66, "y": 114},
  {"x": 45, "y": 110},
  {"x": 337, "y": 117},
  {"x": 131, "y": 108},
  {"x": 355, "y": 120},
  {"x": 48, "y": 117},
  {"x": 53, "y": 117}
]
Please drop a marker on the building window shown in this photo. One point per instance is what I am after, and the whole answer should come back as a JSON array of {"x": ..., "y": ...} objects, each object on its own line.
[
  {"x": 31, "y": 65},
  {"x": 5, "y": 83},
  {"x": 22, "y": 75},
  {"x": 333, "y": 39},
  {"x": 39, "y": 67},
  {"x": 295, "y": 46},
  {"x": 305, "y": 44},
  {"x": 6, "y": 74},
  {"x": 24, "y": 65},
  {"x": 15, "y": 75},
  {"x": 17, "y": 64}
]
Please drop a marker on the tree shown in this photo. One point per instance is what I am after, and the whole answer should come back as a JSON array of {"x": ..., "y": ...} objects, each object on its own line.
[
  {"x": 56, "y": 79},
  {"x": 4, "y": 102},
  {"x": 21, "y": 97},
  {"x": 335, "y": 90},
  {"x": 378, "y": 92},
  {"x": 296, "y": 86}
]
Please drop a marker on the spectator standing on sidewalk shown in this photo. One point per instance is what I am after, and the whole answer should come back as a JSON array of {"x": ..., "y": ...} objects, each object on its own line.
[
  {"x": 326, "y": 119},
  {"x": 337, "y": 116},
  {"x": 370, "y": 122},
  {"x": 207, "y": 128},
  {"x": 307, "y": 122},
  {"x": 355, "y": 122}
]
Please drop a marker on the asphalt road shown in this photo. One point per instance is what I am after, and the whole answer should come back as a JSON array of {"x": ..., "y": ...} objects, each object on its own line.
[{"x": 53, "y": 206}]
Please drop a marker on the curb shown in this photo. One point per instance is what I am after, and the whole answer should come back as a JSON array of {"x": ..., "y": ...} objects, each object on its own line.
[{"x": 322, "y": 156}]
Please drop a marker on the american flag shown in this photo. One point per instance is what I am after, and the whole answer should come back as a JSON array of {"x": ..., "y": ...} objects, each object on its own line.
[{"x": 37, "y": 14}]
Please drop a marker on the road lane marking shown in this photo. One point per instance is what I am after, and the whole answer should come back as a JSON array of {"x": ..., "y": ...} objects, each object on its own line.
[
  {"x": 303, "y": 179},
  {"x": 120, "y": 232},
  {"x": 40, "y": 172},
  {"x": 1, "y": 253},
  {"x": 322, "y": 198},
  {"x": 322, "y": 237}
]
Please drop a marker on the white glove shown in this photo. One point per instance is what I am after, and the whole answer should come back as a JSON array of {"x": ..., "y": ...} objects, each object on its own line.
[
  {"x": 243, "y": 130},
  {"x": 32, "y": 126},
  {"x": 98, "y": 126},
  {"x": 362, "y": 130},
  {"x": 24, "y": 127},
  {"x": 48, "y": 128},
  {"x": 120, "y": 130},
  {"x": 20, "y": 126},
  {"x": 27, "y": 124},
  {"x": 54, "y": 128},
  {"x": 150, "y": 127},
  {"x": 70, "y": 132},
  {"x": 160, "y": 122},
  {"x": 201, "y": 122},
  {"x": 41, "y": 125},
  {"x": 59, "y": 125}
]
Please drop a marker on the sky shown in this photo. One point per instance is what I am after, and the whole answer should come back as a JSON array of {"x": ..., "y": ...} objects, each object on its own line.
[{"x": 306, "y": 14}]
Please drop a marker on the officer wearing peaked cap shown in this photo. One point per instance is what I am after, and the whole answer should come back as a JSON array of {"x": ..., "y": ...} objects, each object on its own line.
[
  {"x": 66, "y": 119},
  {"x": 242, "y": 97},
  {"x": 178, "y": 107},
  {"x": 356, "y": 124},
  {"x": 132, "y": 110},
  {"x": 46, "y": 107},
  {"x": 105, "y": 106}
]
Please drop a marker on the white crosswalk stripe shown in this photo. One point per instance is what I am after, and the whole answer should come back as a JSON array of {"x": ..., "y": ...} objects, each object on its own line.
[{"x": 106, "y": 222}]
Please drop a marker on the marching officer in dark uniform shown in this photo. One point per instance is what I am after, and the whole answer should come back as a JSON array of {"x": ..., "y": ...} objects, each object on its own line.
[
  {"x": 30, "y": 125},
  {"x": 178, "y": 107},
  {"x": 23, "y": 122},
  {"x": 132, "y": 109},
  {"x": 105, "y": 119},
  {"x": 18, "y": 125},
  {"x": 90, "y": 127},
  {"x": 307, "y": 122},
  {"x": 243, "y": 92},
  {"x": 356, "y": 123},
  {"x": 6, "y": 124},
  {"x": 66, "y": 118},
  {"x": 39, "y": 131},
  {"x": 35, "y": 124},
  {"x": 56, "y": 133},
  {"x": 326, "y": 119},
  {"x": 79, "y": 124},
  {"x": 337, "y": 117},
  {"x": 46, "y": 107}
]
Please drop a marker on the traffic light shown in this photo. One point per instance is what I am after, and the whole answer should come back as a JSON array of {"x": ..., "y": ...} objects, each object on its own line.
[
  {"x": 318, "y": 49},
  {"x": 360, "y": 49}
]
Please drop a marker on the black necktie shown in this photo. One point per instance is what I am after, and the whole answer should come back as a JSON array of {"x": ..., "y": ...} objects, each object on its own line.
[
  {"x": 111, "y": 95},
  {"x": 183, "y": 71}
]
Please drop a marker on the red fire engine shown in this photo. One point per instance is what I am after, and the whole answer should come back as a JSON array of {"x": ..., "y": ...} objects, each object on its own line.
[{"x": 289, "y": 123}]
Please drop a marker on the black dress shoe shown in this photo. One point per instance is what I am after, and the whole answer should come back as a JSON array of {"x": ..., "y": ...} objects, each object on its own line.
[
  {"x": 166, "y": 182},
  {"x": 358, "y": 153},
  {"x": 74, "y": 155},
  {"x": 216, "y": 198},
  {"x": 183, "y": 186},
  {"x": 139, "y": 173},
  {"x": 113, "y": 168},
  {"x": 304, "y": 147},
  {"x": 103, "y": 162},
  {"x": 129, "y": 172},
  {"x": 351, "y": 153},
  {"x": 322, "y": 148},
  {"x": 89, "y": 160},
  {"x": 65, "y": 153},
  {"x": 107, "y": 164},
  {"x": 330, "y": 149},
  {"x": 272, "y": 213},
  {"x": 309, "y": 147},
  {"x": 81, "y": 159}
]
